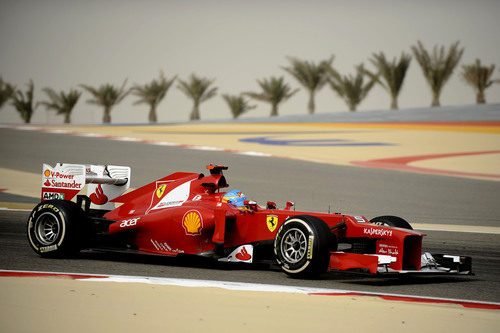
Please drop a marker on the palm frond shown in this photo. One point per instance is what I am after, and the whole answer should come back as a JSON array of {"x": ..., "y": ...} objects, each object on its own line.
[
  {"x": 237, "y": 104},
  {"x": 479, "y": 77},
  {"x": 437, "y": 66},
  {"x": 63, "y": 103},
  {"x": 153, "y": 93},
  {"x": 312, "y": 76},
  {"x": 274, "y": 91},
  {"x": 6, "y": 91},
  {"x": 199, "y": 90},
  {"x": 352, "y": 88},
  {"x": 106, "y": 95},
  {"x": 391, "y": 73},
  {"x": 24, "y": 103}
]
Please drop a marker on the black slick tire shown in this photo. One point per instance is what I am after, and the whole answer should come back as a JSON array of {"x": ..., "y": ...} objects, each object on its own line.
[
  {"x": 391, "y": 221},
  {"x": 302, "y": 246},
  {"x": 56, "y": 228}
]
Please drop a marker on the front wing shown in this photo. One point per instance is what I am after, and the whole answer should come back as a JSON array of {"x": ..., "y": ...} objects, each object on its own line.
[{"x": 379, "y": 264}]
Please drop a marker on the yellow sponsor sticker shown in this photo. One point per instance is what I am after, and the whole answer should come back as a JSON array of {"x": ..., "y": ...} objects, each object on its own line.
[{"x": 192, "y": 222}]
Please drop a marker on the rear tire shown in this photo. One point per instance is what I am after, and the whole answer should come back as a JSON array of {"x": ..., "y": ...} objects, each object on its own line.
[
  {"x": 302, "y": 246},
  {"x": 56, "y": 228},
  {"x": 391, "y": 221}
]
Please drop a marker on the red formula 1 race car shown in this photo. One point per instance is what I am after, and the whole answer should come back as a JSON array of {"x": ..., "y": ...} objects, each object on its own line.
[{"x": 187, "y": 213}]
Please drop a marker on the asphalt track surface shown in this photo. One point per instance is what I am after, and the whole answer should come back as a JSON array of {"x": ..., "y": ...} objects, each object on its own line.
[{"x": 370, "y": 192}]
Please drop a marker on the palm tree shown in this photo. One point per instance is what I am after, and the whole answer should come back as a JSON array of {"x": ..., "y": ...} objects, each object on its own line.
[
  {"x": 310, "y": 75},
  {"x": 107, "y": 96},
  {"x": 479, "y": 77},
  {"x": 274, "y": 91},
  {"x": 198, "y": 89},
  {"x": 6, "y": 91},
  {"x": 392, "y": 74},
  {"x": 238, "y": 104},
  {"x": 153, "y": 94},
  {"x": 352, "y": 89},
  {"x": 63, "y": 103},
  {"x": 438, "y": 66},
  {"x": 24, "y": 103}
]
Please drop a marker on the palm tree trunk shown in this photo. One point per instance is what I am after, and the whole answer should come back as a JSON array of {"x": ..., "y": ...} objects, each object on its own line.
[
  {"x": 67, "y": 118},
  {"x": 352, "y": 106},
  {"x": 311, "y": 106},
  {"x": 480, "y": 98},
  {"x": 106, "y": 118},
  {"x": 435, "y": 99},
  {"x": 152, "y": 114},
  {"x": 274, "y": 110},
  {"x": 394, "y": 102},
  {"x": 195, "y": 114}
]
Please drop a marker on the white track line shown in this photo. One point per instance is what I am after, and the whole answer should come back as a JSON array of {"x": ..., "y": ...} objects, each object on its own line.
[
  {"x": 15, "y": 209},
  {"x": 465, "y": 231}
]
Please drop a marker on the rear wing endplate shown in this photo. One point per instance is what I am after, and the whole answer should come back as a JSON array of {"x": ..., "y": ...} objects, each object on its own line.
[{"x": 104, "y": 182}]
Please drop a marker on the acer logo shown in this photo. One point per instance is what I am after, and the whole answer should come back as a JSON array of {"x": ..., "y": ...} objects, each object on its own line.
[{"x": 129, "y": 223}]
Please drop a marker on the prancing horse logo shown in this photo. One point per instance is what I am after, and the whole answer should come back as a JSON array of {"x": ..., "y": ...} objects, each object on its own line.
[{"x": 272, "y": 222}]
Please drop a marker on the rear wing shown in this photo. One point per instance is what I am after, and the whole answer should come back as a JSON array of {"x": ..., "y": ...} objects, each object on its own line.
[{"x": 104, "y": 182}]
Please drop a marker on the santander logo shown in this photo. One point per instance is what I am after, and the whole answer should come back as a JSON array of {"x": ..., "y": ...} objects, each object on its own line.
[
  {"x": 243, "y": 255},
  {"x": 98, "y": 197}
]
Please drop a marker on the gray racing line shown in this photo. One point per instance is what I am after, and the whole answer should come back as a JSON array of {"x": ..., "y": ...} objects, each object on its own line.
[{"x": 422, "y": 198}]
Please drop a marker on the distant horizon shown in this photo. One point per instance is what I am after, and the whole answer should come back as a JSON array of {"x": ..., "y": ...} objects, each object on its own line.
[{"x": 61, "y": 44}]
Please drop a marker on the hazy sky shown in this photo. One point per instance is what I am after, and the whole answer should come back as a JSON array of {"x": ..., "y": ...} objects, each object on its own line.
[{"x": 61, "y": 44}]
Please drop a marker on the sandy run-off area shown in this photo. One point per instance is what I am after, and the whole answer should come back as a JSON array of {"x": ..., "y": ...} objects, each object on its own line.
[{"x": 51, "y": 304}]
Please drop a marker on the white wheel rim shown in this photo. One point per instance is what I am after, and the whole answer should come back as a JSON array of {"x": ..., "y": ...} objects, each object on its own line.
[
  {"x": 47, "y": 228},
  {"x": 294, "y": 245}
]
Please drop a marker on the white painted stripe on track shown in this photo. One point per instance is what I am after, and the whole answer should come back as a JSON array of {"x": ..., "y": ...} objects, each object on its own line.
[
  {"x": 16, "y": 209},
  {"x": 463, "y": 231},
  {"x": 255, "y": 153},
  {"x": 237, "y": 286},
  {"x": 131, "y": 139}
]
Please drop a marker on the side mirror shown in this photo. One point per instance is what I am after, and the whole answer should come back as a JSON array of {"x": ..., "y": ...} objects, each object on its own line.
[
  {"x": 289, "y": 205},
  {"x": 271, "y": 205}
]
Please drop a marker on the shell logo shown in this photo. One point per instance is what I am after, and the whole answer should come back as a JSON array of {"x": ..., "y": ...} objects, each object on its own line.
[
  {"x": 46, "y": 173},
  {"x": 192, "y": 223}
]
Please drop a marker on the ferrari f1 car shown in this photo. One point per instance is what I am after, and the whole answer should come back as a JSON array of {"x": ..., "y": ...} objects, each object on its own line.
[{"x": 188, "y": 214}]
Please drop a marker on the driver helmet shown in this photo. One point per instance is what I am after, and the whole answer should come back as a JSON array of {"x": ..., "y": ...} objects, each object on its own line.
[{"x": 235, "y": 198}]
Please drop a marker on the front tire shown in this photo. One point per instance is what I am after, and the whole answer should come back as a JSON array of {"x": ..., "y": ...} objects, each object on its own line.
[
  {"x": 391, "y": 221},
  {"x": 302, "y": 246},
  {"x": 56, "y": 228}
]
